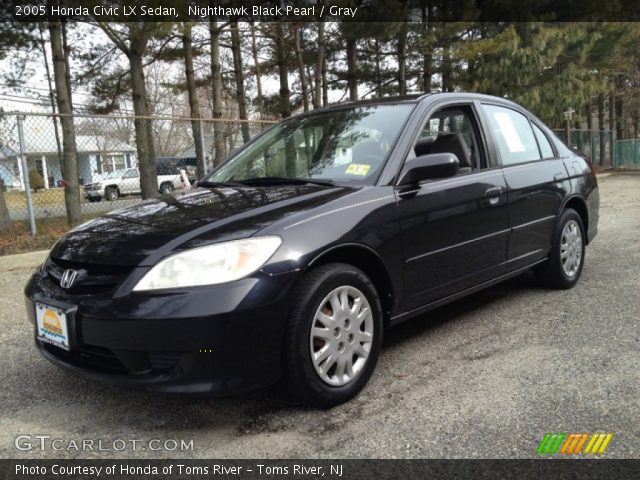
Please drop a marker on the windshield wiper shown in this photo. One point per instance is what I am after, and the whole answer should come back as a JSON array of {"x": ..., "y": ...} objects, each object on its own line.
[
  {"x": 286, "y": 181},
  {"x": 208, "y": 184}
]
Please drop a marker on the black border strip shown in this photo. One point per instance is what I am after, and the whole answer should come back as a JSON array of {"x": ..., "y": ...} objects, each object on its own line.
[
  {"x": 583, "y": 469},
  {"x": 321, "y": 10}
]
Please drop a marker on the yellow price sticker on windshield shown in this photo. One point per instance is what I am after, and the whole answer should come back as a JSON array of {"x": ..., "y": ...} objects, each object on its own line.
[{"x": 358, "y": 169}]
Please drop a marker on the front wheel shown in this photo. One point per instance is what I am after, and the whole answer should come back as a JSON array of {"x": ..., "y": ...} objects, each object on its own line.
[
  {"x": 566, "y": 259},
  {"x": 334, "y": 335}
]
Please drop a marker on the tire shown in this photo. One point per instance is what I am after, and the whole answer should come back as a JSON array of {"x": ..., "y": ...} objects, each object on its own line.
[
  {"x": 166, "y": 188},
  {"x": 346, "y": 341},
  {"x": 111, "y": 194},
  {"x": 568, "y": 237}
]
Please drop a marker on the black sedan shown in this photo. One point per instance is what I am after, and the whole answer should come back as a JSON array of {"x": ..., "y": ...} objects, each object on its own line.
[{"x": 290, "y": 259}]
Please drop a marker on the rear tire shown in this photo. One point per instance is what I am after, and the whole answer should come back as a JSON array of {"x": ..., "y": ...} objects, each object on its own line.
[
  {"x": 563, "y": 268},
  {"x": 166, "y": 188},
  {"x": 330, "y": 353},
  {"x": 111, "y": 194}
]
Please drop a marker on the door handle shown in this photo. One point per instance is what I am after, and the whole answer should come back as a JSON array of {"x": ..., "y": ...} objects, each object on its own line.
[
  {"x": 493, "y": 194},
  {"x": 559, "y": 177}
]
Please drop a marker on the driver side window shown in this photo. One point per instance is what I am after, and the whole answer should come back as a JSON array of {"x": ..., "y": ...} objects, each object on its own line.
[{"x": 452, "y": 130}]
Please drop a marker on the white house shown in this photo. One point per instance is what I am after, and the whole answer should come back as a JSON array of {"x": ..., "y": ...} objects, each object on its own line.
[{"x": 97, "y": 154}]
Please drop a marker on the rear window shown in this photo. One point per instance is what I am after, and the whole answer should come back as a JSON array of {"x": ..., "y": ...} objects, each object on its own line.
[{"x": 167, "y": 166}]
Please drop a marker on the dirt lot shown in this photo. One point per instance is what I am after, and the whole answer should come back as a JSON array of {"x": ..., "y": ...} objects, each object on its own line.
[{"x": 487, "y": 376}]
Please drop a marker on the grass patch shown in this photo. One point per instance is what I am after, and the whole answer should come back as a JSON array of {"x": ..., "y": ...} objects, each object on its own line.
[
  {"x": 17, "y": 237},
  {"x": 41, "y": 198}
]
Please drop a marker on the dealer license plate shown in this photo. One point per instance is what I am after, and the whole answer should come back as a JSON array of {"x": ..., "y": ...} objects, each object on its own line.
[{"x": 52, "y": 326}]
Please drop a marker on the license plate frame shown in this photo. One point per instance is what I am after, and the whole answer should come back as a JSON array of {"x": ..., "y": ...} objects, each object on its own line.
[{"x": 55, "y": 325}]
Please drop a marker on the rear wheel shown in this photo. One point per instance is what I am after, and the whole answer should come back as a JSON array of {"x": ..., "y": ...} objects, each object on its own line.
[
  {"x": 333, "y": 336},
  {"x": 111, "y": 193},
  {"x": 564, "y": 267},
  {"x": 166, "y": 188}
]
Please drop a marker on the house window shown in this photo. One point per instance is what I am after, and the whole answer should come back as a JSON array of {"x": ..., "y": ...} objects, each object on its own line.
[{"x": 111, "y": 163}]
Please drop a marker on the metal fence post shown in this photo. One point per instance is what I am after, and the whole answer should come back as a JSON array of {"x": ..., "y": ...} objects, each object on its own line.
[
  {"x": 25, "y": 175},
  {"x": 203, "y": 148}
]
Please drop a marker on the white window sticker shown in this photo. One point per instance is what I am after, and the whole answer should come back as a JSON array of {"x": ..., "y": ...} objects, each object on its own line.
[{"x": 509, "y": 132}]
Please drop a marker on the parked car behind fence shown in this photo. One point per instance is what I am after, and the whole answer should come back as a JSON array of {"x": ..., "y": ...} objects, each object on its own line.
[
  {"x": 171, "y": 165},
  {"x": 127, "y": 182}
]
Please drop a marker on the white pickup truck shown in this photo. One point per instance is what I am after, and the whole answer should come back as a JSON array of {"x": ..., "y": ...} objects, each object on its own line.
[{"x": 126, "y": 182}]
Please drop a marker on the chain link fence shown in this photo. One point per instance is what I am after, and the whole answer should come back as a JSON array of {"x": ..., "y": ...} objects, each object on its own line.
[
  {"x": 107, "y": 160},
  {"x": 628, "y": 154},
  {"x": 598, "y": 145},
  {"x": 108, "y": 170}
]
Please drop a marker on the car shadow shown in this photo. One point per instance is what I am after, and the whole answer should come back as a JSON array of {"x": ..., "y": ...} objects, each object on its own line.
[
  {"x": 94, "y": 406},
  {"x": 433, "y": 319}
]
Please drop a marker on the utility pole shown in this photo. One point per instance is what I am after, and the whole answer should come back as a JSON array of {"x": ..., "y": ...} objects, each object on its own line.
[{"x": 568, "y": 115}]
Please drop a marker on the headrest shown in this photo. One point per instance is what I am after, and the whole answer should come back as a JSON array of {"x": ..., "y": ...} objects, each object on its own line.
[
  {"x": 423, "y": 146},
  {"x": 452, "y": 143}
]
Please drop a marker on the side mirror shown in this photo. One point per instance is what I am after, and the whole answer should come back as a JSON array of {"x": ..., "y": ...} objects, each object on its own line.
[{"x": 431, "y": 166}]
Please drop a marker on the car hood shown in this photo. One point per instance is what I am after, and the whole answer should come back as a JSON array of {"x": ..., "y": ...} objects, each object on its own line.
[{"x": 144, "y": 233}]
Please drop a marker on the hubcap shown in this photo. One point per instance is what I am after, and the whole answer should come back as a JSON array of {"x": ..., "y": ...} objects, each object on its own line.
[
  {"x": 571, "y": 248},
  {"x": 341, "y": 335}
]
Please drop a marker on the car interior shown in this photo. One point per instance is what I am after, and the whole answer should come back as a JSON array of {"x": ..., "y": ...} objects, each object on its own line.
[{"x": 451, "y": 130}]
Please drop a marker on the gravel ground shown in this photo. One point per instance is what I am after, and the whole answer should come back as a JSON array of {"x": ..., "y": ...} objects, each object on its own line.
[{"x": 484, "y": 377}]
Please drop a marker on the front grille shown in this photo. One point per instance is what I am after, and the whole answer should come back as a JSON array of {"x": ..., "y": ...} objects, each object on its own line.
[
  {"x": 163, "y": 361},
  {"x": 92, "y": 187},
  {"x": 91, "y": 278},
  {"x": 90, "y": 357},
  {"x": 104, "y": 360}
]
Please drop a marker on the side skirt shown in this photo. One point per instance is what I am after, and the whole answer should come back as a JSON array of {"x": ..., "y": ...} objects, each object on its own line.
[{"x": 463, "y": 293}]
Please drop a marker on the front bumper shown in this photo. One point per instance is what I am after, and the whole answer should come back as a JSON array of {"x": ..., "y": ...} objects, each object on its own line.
[
  {"x": 93, "y": 194},
  {"x": 220, "y": 339}
]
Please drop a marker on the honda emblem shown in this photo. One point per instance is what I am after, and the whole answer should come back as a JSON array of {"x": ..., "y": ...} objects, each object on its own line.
[{"x": 68, "y": 278}]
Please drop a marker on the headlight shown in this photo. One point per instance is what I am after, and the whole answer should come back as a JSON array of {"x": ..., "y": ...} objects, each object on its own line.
[{"x": 210, "y": 265}]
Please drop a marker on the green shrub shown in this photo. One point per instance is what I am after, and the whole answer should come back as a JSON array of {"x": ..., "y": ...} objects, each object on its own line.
[{"x": 35, "y": 180}]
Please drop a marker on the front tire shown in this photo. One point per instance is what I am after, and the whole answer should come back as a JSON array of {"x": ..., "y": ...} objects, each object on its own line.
[
  {"x": 334, "y": 335},
  {"x": 564, "y": 267}
]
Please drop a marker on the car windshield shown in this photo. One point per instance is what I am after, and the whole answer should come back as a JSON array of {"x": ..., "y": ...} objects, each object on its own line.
[{"x": 349, "y": 144}]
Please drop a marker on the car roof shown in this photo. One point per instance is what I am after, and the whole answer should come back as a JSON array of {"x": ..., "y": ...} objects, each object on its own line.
[
  {"x": 410, "y": 99},
  {"x": 417, "y": 98}
]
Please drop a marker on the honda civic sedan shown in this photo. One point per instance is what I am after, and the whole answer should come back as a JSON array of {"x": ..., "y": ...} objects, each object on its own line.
[{"x": 291, "y": 259}]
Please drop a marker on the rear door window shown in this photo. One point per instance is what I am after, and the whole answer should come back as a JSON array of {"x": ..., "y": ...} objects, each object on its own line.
[{"x": 513, "y": 135}]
